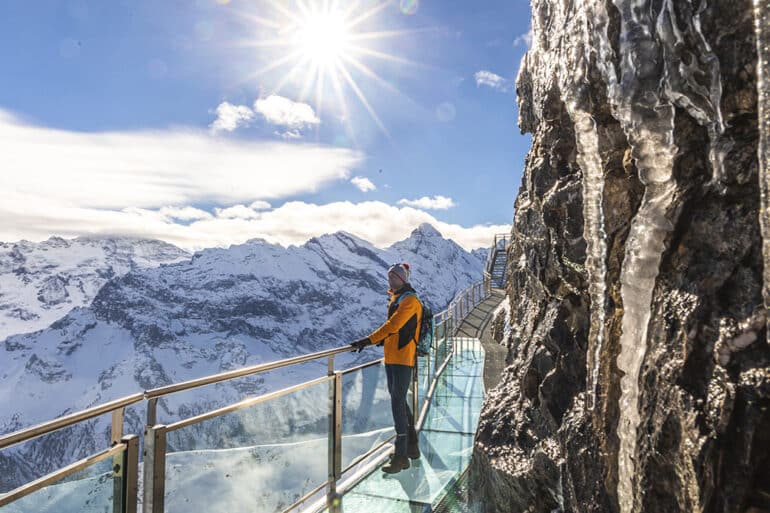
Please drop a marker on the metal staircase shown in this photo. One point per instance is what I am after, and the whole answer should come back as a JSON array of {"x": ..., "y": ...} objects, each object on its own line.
[{"x": 497, "y": 261}]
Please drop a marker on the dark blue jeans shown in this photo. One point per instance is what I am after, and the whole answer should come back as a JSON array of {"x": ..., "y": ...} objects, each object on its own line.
[{"x": 399, "y": 379}]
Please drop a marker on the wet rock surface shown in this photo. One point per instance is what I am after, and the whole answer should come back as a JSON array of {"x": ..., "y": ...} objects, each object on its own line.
[{"x": 703, "y": 439}]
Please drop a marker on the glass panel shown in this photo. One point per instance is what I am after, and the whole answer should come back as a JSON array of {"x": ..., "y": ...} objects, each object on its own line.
[
  {"x": 261, "y": 458},
  {"x": 366, "y": 416},
  {"x": 444, "y": 457},
  {"x": 424, "y": 377},
  {"x": 89, "y": 490}
]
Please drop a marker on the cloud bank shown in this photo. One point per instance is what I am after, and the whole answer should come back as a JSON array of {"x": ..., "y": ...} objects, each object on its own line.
[
  {"x": 292, "y": 223},
  {"x": 191, "y": 189},
  {"x": 111, "y": 170}
]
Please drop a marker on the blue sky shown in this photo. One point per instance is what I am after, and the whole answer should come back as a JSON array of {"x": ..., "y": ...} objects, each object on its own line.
[{"x": 182, "y": 120}]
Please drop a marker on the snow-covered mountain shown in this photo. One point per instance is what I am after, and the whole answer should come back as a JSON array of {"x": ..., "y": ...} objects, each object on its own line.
[
  {"x": 41, "y": 282},
  {"x": 222, "y": 309}
]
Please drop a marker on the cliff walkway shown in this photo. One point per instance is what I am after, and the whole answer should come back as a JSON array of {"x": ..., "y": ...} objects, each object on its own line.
[{"x": 312, "y": 446}]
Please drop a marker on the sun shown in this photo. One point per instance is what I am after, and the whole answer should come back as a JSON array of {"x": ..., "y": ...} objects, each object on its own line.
[
  {"x": 323, "y": 38},
  {"x": 324, "y": 47}
]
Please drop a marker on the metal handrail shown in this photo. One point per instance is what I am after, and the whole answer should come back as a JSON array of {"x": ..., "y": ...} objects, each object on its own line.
[
  {"x": 245, "y": 371},
  {"x": 50, "y": 426},
  {"x": 70, "y": 469}
]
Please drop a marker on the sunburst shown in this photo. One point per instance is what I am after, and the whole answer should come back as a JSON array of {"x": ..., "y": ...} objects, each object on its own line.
[{"x": 318, "y": 43}]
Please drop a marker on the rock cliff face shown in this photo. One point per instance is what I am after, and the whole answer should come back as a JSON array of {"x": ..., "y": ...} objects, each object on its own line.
[{"x": 639, "y": 376}]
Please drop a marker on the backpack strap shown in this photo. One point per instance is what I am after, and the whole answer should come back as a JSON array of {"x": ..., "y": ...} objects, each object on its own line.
[{"x": 405, "y": 294}]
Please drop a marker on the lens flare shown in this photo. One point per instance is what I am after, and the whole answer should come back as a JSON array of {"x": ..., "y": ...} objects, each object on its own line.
[
  {"x": 446, "y": 112},
  {"x": 409, "y": 6}
]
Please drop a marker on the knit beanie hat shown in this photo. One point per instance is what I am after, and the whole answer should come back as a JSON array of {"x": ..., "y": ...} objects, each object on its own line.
[{"x": 401, "y": 270}]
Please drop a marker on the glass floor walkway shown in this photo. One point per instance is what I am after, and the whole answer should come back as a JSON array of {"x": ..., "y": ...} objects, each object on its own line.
[{"x": 446, "y": 443}]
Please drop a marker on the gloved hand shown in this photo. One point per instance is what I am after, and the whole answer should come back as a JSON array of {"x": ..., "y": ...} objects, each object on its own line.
[{"x": 359, "y": 345}]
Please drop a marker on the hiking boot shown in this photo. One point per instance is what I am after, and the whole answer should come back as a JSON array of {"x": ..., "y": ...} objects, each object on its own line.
[{"x": 396, "y": 464}]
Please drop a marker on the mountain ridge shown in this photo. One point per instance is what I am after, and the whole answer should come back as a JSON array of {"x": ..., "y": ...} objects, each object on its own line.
[{"x": 218, "y": 310}]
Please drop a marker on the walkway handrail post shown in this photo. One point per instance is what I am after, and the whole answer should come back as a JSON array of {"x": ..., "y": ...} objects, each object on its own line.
[
  {"x": 124, "y": 497},
  {"x": 335, "y": 439},
  {"x": 154, "y": 478}
]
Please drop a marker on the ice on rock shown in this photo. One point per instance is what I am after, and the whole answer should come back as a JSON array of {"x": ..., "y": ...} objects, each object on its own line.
[
  {"x": 762, "y": 29},
  {"x": 574, "y": 85},
  {"x": 645, "y": 82}
]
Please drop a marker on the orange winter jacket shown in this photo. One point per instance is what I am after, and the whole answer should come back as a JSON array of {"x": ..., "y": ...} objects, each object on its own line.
[{"x": 402, "y": 329}]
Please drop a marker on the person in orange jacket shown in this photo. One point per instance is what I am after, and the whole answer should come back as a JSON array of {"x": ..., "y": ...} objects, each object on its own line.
[{"x": 399, "y": 333}]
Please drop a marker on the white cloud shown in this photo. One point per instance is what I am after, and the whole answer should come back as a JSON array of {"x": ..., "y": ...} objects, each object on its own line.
[
  {"x": 363, "y": 184},
  {"x": 434, "y": 203},
  {"x": 236, "y": 212},
  {"x": 184, "y": 213},
  {"x": 525, "y": 39},
  {"x": 230, "y": 117},
  {"x": 292, "y": 223},
  {"x": 260, "y": 205},
  {"x": 115, "y": 170},
  {"x": 493, "y": 80},
  {"x": 145, "y": 184},
  {"x": 284, "y": 112},
  {"x": 290, "y": 134}
]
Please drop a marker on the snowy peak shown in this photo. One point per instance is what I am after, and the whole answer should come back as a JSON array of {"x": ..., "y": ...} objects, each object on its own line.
[
  {"x": 41, "y": 282},
  {"x": 426, "y": 230}
]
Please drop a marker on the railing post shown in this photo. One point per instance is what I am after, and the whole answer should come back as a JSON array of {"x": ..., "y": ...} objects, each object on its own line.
[
  {"x": 124, "y": 497},
  {"x": 118, "y": 461},
  {"x": 333, "y": 500},
  {"x": 116, "y": 430},
  {"x": 154, "y": 468},
  {"x": 152, "y": 411}
]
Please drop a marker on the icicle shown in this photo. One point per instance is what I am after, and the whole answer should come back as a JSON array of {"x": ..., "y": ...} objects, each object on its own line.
[
  {"x": 648, "y": 121},
  {"x": 653, "y": 79},
  {"x": 574, "y": 83},
  {"x": 762, "y": 29},
  {"x": 593, "y": 232},
  {"x": 684, "y": 77}
]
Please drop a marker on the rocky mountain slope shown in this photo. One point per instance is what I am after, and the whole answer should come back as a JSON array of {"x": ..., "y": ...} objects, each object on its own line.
[
  {"x": 223, "y": 309},
  {"x": 41, "y": 282},
  {"x": 640, "y": 366}
]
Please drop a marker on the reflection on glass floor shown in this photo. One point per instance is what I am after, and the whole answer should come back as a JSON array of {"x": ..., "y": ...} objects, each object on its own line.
[{"x": 446, "y": 442}]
